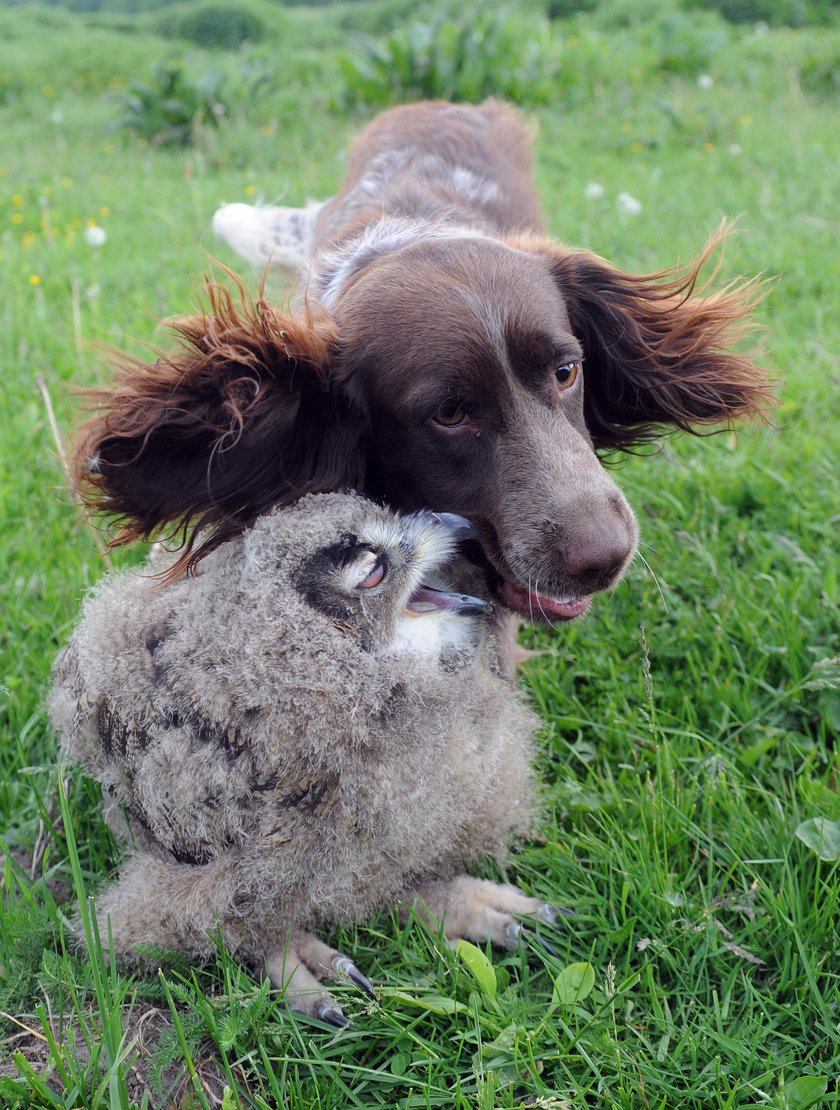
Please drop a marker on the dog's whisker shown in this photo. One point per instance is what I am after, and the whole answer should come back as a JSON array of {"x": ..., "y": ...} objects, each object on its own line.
[
  {"x": 538, "y": 595},
  {"x": 652, "y": 573}
]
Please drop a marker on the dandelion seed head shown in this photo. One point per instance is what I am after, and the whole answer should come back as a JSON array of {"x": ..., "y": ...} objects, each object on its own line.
[
  {"x": 628, "y": 204},
  {"x": 95, "y": 236},
  {"x": 705, "y": 81},
  {"x": 594, "y": 190}
]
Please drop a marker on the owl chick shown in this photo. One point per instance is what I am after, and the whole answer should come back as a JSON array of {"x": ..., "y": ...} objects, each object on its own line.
[{"x": 309, "y": 729}]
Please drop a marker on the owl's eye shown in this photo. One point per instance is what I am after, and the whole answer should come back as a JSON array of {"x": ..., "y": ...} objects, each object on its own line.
[{"x": 373, "y": 578}]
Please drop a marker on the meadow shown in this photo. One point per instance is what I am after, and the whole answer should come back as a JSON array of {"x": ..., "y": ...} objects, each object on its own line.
[{"x": 689, "y": 761}]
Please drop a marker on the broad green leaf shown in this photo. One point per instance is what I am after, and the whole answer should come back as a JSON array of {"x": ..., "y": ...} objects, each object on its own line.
[
  {"x": 399, "y": 1063},
  {"x": 573, "y": 984},
  {"x": 479, "y": 966},
  {"x": 434, "y": 1003},
  {"x": 821, "y": 836},
  {"x": 801, "y": 1093}
]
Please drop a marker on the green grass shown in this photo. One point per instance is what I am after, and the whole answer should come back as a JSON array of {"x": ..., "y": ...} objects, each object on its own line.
[{"x": 691, "y": 723}]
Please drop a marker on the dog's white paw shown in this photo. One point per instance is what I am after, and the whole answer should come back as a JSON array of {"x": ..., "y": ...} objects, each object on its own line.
[{"x": 268, "y": 235}]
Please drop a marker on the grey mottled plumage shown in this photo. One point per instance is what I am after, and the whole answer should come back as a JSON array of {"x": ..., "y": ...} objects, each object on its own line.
[{"x": 295, "y": 737}]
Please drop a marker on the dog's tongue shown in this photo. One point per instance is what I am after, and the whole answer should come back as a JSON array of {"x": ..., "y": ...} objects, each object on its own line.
[{"x": 533, "y": 605}]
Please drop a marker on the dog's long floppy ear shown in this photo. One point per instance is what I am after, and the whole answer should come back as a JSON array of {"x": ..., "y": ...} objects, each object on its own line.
[
  {"x": 660, "y": 349},
  {"x": 243, "y": 415}
]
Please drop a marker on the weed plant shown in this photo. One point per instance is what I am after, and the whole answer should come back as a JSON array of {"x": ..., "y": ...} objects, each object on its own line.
[{"x": 688, "y": 763}]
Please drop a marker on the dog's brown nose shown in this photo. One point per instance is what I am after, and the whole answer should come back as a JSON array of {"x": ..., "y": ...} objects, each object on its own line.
[{"x": 596, "y": 549}]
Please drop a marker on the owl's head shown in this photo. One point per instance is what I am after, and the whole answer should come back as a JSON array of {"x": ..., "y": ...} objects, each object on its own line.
[{"x": 375, "y": 576}]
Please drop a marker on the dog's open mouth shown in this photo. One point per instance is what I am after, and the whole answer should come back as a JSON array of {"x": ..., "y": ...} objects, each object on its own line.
[
  {"x": 536, "y": 606},
  {"x": 526, "y": 602}
]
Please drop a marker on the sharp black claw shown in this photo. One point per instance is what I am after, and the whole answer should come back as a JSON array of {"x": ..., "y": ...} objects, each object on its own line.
[
  {"x": 550, "y": 949},
  {"x": 362, "y": 981},
  {"x": 348, "y": 968},
  {"x": 332, "y": 1016},
  {"x": 530, "y": 938}
]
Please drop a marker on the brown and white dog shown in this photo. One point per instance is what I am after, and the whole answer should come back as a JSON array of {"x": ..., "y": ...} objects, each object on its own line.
[{"x": 444, "y": 354}]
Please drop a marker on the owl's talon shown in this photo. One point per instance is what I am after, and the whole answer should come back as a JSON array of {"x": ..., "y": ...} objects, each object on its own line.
[
  {"x": 348, "y": 968},
  {"x": 547, "y": 913},
  {"x": 330, "y": 1013},
  {"x": 532, "y": 939},
  {"x": 514, "y": 934}
]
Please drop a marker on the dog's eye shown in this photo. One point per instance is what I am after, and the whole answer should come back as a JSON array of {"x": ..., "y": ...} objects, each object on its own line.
[
  {"x": 566, "y": 374},
  {"x": 450, "y": 414}
]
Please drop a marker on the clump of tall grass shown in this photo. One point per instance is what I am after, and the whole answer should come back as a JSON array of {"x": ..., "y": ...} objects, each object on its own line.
[
  {"x": 464, "y": 56},
  {"x": 216, "y": 26},
  {"x": 173, "y": 108},
  {"x": 170, "y": 107}
]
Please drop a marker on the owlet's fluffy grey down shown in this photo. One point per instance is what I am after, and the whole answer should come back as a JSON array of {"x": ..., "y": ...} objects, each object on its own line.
[{"x": 309, "y": 729}]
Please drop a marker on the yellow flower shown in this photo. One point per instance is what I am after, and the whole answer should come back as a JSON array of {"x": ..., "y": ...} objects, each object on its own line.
[
  {"x": 104, "y": 211},
  {"x": 28, "y": 239},
  {"x": 34, "y": 279},
  {"x": 17, "y": 218},
  {"x": 250, "y": 190},
  {"x": 17, "y": 200},
  {"x": 708, "y": 147}
]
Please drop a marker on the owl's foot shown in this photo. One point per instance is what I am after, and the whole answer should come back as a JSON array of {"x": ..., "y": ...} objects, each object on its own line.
[
  {"x": 478, "y": 910},
  {"x": 297, "y": 969}
]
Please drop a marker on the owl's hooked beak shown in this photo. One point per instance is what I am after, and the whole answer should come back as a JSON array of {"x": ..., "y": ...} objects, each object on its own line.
[
  {"x": 427, "y": 600},
  {"x": 459, "y": 527}
]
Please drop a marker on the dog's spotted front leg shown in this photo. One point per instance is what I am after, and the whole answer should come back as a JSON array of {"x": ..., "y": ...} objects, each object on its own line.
[{"x": 479, "y": 910}]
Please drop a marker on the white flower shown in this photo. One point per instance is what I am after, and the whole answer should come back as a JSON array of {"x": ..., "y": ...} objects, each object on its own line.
[
  {"x": 57, "y": 116},
  {"x": 594, "y": 191},
  {"x": 629, "y": 205},
  {"x": 735, "y": 149},
  {"x": 95, "y": 236},
  {"x": 705, "y": 81}
]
